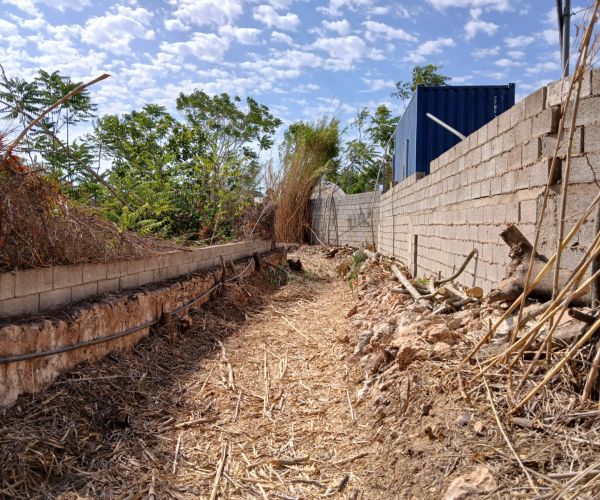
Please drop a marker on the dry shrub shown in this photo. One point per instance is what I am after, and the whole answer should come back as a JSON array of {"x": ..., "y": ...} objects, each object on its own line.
[
  {"x": 41, "y": 227},
  {"x": 308, "y": 154},
  {"x": 256, "y": 223}
]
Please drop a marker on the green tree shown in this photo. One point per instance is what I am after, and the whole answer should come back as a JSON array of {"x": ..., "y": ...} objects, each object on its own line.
[{"x": 427, "y": 75}]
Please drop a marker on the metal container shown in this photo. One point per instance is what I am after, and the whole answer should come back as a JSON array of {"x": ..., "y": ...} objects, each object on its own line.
[{"x": 419, "y": 140}]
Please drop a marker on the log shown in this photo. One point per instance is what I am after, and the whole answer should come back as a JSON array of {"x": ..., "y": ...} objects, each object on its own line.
[
  {"x": 408, "y": 285},
  {"x": 520, "y": 253}
]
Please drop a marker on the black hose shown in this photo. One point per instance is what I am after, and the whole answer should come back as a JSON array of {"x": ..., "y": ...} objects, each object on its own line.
[{"x": 79, "y": 345}]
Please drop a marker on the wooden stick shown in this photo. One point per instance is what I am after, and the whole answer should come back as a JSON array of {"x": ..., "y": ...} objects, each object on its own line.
[
  {"x": 58, "y": 103},
  {"x": 176, "y": 453},
  {"x": 407, "y": 284},
  {"x": 558, "y": 366},
  {"x": 220, "y": 467},
  {"x": 504, "y": 435}
]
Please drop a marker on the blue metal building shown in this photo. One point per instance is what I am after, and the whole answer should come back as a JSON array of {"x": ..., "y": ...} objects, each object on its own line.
[{"x": 418, "y": 139}]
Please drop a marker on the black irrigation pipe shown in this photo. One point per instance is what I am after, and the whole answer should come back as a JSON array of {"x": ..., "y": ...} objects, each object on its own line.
[{"x": 79, "y": 345}]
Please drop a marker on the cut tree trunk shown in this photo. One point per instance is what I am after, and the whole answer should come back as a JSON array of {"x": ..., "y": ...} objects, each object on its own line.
[{"x": 520, "y": 254}]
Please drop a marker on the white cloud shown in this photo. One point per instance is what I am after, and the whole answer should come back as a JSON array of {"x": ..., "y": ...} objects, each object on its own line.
[
  {"x": 476, "y": 25},
  {"x": 277, "y": 36},
  {"x": 280, "y": 4},
  {"x": 487, "y": 52},
  {"x": 245, "y": 36},
  {"x": 459, "y": 80},
  {"x": 63, "y": 5},
  {"x": 7, "y": 28},
  {"x": 380, "y": 10},
  {"x": 430, "y": 47},
  {"x": 335, "y": 6},
  {"x": 266, "y": 14},
  {"x": 341, "y": 27},
  {"x": 550, "y": 36},
  {"x": 500, "y": 5},
  {"x": 543, "y": 67},
  {"x": 175, "y": 25},
  {"x": 516, "y": 54},
  {"x": 507, "y": 63},
  {"x": 306, "y": 87},
  {"x": 27, "y": 6},
  {"x": 115, "y": 31},
  {"x": 203, "y": 12},
  {"x": 378, "y": 84},
  {"x": 203, "y": 46},
  {"x": 516, "y": 42},
  {"x": 344, "y": 51},
  {"x": 381, "y": 30}
]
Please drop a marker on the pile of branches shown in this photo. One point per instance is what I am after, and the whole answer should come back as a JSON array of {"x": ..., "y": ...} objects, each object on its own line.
[
  {"x": 40, "y": 227},
  {"x": 257, "y": 221}
]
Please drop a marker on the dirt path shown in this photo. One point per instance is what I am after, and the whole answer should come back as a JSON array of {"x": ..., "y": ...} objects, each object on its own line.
[{"x": 253, "y": 401}]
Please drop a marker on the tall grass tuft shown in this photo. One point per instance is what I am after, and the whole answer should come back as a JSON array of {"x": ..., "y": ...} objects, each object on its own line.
[{"x": 309, "y": 151}]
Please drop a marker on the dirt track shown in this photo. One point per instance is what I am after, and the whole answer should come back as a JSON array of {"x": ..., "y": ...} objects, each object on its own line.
[{"x": 253, "y": 401}]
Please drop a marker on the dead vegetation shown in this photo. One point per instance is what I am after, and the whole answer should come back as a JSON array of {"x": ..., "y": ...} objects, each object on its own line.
[
  {"x": 41, "y": 227},
  {"x": 452, "y": 424}
]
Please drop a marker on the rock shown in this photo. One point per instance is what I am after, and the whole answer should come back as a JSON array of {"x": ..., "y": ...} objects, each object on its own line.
[
  {"x": 412, "y": 349},
  {"x": 478, "y": 482},
  {"x": 363, "y": 341},
  {"x": 353, "y": 310},
  {"x": 441, "y": 351},
  {"x": 440, "y": 333},
  {"x": 479, "y": 428},
  {"x": 380, "y": 332},
  {"x": 464, "y": 419},
  {"x": 455, "y": 323}
]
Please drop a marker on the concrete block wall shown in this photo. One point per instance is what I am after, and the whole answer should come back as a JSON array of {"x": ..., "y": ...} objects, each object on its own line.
[
  {"x": 35, "y": 290},
  {"x": 349, "y": 219},
  {"x": 494, "y": 177}
]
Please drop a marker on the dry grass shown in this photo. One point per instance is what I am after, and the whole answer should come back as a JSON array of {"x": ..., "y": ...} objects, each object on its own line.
[
  {"x": 40, "y": 227},
  {"x": 253, "y": 401}
]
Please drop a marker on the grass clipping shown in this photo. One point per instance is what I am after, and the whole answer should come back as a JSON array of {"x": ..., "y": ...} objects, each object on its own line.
[{"x": 308, "y": 153}]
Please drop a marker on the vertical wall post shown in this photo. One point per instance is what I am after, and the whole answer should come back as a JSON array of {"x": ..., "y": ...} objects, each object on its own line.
[{"x": 415, "y": 252}]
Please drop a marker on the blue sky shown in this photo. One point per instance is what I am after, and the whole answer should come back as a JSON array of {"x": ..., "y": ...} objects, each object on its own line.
[{"x": 301, "y": 58}]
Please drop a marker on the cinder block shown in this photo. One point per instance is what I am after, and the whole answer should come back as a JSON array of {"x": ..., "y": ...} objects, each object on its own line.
[
  {"x": 135, "y": 266},
  {"x": 7, "y": 285},
  {"x": 523, "y": 131},
  {"x": 116, "y": 269},
  {"x": 508, "y": 182},
  {"x": 129, "y": 281},
  {"x": 509, "y": 139},
  {"x": 31, "y": 281},
  {"x": 528, "y": 211},
  {"x": 67, "y": 276},
  {"x": 20, "y": 305},
  {"x": 94, "y": 272},
  {"x": 531, "y": 151},
  {"x": 517, "y": 113},
  {"x": 538, "y": 173},
  {"x": 546, "y": 122},
  {"x": 514, "y": 160},
  {"x": 84, "y": 291},
  {"x": 504, "y": 122},
  {"x": 584, "y": 169},
  {"x": 55, "y": 298},
  {"x": 591, "y": 137},
  {"x": 549, "y": 143},
  {"x": 535, "y": 103},
  {"x": 145, "y": 277},
  {"x": 558, "y": 90},
  {"x": 108, "y": 285}
]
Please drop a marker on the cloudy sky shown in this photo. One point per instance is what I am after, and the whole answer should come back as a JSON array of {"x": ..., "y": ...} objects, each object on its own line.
[{"x": 300, "y": 57}]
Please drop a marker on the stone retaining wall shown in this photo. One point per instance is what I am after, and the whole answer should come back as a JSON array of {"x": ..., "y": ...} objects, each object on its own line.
[{"x": 35, "y": 290}]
